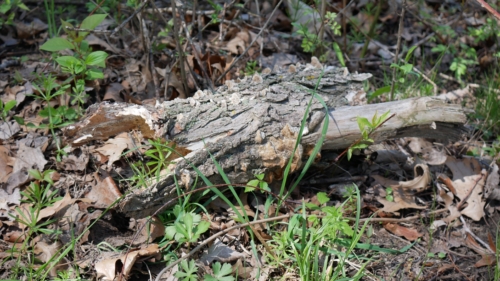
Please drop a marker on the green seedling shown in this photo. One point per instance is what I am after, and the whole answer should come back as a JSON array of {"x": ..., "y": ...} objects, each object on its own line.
[
  {"x": 5, "y": 108},
  {"x": 187, "y": 228},
  {"x": 366, "y": 127},
  {"x": 187, "y": 271},
  {"x": 8, "y": 11},
  {"x": 221, "y": 273},
  {"x": 389, "y": 194},
  {"x": 259, "y": 182}
]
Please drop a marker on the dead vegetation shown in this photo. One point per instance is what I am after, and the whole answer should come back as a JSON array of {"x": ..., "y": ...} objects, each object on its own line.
[{"x": 193, "y": 140}]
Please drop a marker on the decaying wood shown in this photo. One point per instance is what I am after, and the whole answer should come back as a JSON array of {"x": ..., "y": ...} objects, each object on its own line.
[{"x": 250, "y": 126}]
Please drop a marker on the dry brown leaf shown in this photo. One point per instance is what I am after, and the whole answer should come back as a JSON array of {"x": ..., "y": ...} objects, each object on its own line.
[
  {"x": 5, "y": 169},
  {"x": 487, "y": 258},
  {"x": 239, "y": 43},
  {"x": 427, "y": 151},
  {"x": 114, "y": 147},
  {"x": 28, "y": 30},
  {"x": 7, "y": 199},
  {"x": 72, "y": 162},
  {"x": 105, "y": 192},
  {"x": 244, "y": 272},
  {"x": 408, "y": 233},
  {"x": 29, "y": 158},
  {"x": 109, "y": 268},
  {"x": 56, "y": 208},
  {"x": 404, "y": 192},
  {"x": 492, "y": 190},
  {"x": 469, "y": 181},
  {"x": 46, "y": 252},
  {"x": 8, "y": 129}
]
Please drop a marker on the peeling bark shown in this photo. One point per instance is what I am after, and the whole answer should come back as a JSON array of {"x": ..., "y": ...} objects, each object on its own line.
[{"x": 251, "y": 126}]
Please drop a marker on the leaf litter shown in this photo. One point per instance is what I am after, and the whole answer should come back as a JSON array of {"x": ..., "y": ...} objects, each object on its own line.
[{"x": 416, "y": 174}]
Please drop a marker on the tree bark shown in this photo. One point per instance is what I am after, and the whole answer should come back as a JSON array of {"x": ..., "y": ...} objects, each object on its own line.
[{"x": 251, "y": 126}]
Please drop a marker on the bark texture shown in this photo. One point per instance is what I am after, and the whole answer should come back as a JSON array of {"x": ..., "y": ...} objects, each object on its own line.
[{"x": 250, "y": 126}]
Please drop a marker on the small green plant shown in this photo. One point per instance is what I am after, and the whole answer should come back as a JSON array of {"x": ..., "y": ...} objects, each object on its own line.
[
  {"x": 85, "y": 64},
  {"x": 158, "y": 154},
  {"x": 405, "y": 68},
  {"x": 309, "y": 242},
  {"x": 218, "y": 9},
  {"x": 220, "y": 273},
  {"x": 487, "y": 112},
  {"x": 50, "y": 12},
  {"x": 389, "y": 194},
  {"x": 187, "y": 227},
  {"x": 251, "y": 67},
  {"x": 57, "y": 117},
  {"x": 486, "y": 31},
  {"x": 494, "y": 149},
  {"x": 460, "y": 64},
  {"x": 37, "y": 196},
  {"x": 106, "y": 6},
  {"x": 463, "y": 58},
  {"x": 187, "y": 271},
  {"x": 5, "y": 108},
  {"x": 8, "y": 11},
  {"x": 366, "y": 127},
  {"x": 311, "y": 42},
  {"x": 39, "y": 191},
  {"x": 258, "y": 182}
]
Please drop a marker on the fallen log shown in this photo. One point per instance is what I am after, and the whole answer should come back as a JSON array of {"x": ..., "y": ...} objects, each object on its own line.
[{"x": 251, "y": 126}]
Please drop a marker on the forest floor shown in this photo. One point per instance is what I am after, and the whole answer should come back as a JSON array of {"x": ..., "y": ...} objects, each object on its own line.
[{"x": 403, "y": 209}]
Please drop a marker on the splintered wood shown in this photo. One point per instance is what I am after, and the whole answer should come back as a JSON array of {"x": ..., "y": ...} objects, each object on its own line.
[{"x": 250, "y": 126}]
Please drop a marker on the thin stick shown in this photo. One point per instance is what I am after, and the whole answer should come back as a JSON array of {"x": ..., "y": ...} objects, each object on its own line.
[
  {"x": 129, "y": 18},
  {"x": 177, "y": 29},
  {"x": 489, "y": 8},
  {"x": 398, "y": 46}
]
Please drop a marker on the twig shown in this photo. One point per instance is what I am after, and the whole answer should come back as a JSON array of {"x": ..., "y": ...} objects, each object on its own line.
[
  {"x": 129, "y": 18},
  {"x": 188, "y": 12},
  {"x": 251, "y": 44},
  {"x": 415, "y": 217},
  {"x": 197, "y": 57},
  {"x": 213, "y": 237},
  {"x": 467, "y": 229},
  {"x": 180, "y": 51},
  {"x": 398, "y": 46},
  {"x": 457, "y": 268},
  {"x": 489, "y": 8}
]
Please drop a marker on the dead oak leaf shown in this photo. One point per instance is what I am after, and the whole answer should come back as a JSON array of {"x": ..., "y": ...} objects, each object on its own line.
[
  {"x": 468, "y": 182},
  {"x": 110, "y": 268},
  {"x": 114, "y": 147},
  {"x": 404, "y": 192},
  {"x": 408, "y": 233}
]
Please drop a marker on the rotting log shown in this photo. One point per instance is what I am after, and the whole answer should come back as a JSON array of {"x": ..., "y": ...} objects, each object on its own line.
[{"x": 251, "y": 126}]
